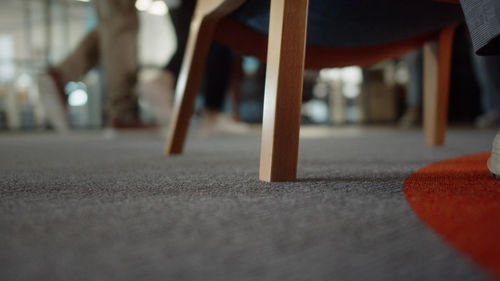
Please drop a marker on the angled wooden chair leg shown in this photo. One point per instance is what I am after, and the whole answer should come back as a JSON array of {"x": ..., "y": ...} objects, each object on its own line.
[
  {"x": 283, "y": 92},
  {"x": 206, "y": 16},
  {"x": 437, "y": 62},
  {"x": 188, "y": 83}
]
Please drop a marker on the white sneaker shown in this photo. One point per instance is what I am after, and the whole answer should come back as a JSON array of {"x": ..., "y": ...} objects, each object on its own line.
[
  {"x": 411, "y": 119},
  {"x": 158, "y": 93},
  {"x": 217, "y": 123},
  {"x": 53, "y": 104},
  {"x": 494, "y": 160},
  {"x": 488, "y": 120}
]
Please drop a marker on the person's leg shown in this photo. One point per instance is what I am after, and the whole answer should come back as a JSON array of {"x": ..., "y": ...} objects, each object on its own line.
[
  {"x": 483, "y": 20},
  {"x": 217, "y": 75},
  {"x": 215, "y": 89},
  {"x": 81, "y": 60},
  {"x": 219, "y": 58},
  {"x": 117, "y": 29},
  {"x": 485, "y": 35},
  {"x": 51, "y": 84},
  {"x": 414, "y": 97},
  {"x": 181, "y": 20},
  {"x": 487, "y": 72},
  {"x": 413, "y": 114}
]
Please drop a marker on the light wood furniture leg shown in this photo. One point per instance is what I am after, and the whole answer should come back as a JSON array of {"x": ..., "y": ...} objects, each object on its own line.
[
  {"x": 203, "y": 24},
  {"x": 436, "y": 79},
  {"x": 283, "y": 91}
]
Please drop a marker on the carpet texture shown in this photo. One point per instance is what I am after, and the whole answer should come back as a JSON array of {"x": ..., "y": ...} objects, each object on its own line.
[
  {"x": 460, "y": 200},
  {"x": 82, "y": 207}
]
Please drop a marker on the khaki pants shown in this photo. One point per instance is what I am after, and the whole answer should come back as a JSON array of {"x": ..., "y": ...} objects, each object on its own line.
[{"x": 113, "y": 44}]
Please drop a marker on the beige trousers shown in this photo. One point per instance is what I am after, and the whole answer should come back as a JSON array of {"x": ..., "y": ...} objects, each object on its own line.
[{"x": 113, "y": 44}]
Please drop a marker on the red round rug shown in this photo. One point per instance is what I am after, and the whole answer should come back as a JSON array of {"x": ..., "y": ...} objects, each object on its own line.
[{"x": 460, "y": 201}]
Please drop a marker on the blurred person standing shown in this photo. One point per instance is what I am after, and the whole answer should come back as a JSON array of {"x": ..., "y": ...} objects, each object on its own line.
[
  {"x": 487, "y": 72},
  {"x": 413, "y": 114},
  {"x": 216, "y": 80},
  {"x": 113, "y": 45}
]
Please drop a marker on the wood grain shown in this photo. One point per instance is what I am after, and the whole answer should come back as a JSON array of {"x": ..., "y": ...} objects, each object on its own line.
[
  {"x": 437, "y": 61},
  {"x": 207, "y": 14},
  {"x": 286, "y": 55},
  {"x": 283, "y": 91}
]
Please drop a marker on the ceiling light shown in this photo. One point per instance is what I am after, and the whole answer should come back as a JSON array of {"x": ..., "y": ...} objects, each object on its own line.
[
  {"x": 78, "y": 97},
  {"x": 142, "y": 5},
  {"x": 158, "y": 8}
]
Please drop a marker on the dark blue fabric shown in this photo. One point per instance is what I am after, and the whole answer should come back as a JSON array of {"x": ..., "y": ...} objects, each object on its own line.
[
  {"x": 483, "y": 20},
  {"x": 360, "y": 23}
]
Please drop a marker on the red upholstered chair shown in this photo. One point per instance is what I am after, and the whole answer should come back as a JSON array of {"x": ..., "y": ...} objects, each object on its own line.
[{"x": 287, "y": 56}]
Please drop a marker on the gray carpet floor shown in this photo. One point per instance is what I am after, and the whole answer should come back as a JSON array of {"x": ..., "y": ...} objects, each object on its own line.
[{"x": 83, "y": 207}]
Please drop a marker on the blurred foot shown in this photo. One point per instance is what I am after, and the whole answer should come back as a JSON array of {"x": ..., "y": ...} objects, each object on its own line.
[
  {"x": 412, "y": 118},
  {"x": 158, "y": 94},
  {"x": 494, "y": 160},
  {"x": 54, "y": 101},
  {"x": 125, "y": 124},
  {"x": 488, "y": 120},
  {"x": 129, "y": 123},
  {"x": 217, "y": 123}
]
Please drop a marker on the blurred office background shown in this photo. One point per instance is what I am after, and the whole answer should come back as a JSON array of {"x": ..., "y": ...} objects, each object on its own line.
[{"x": 35, "y": 34}]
